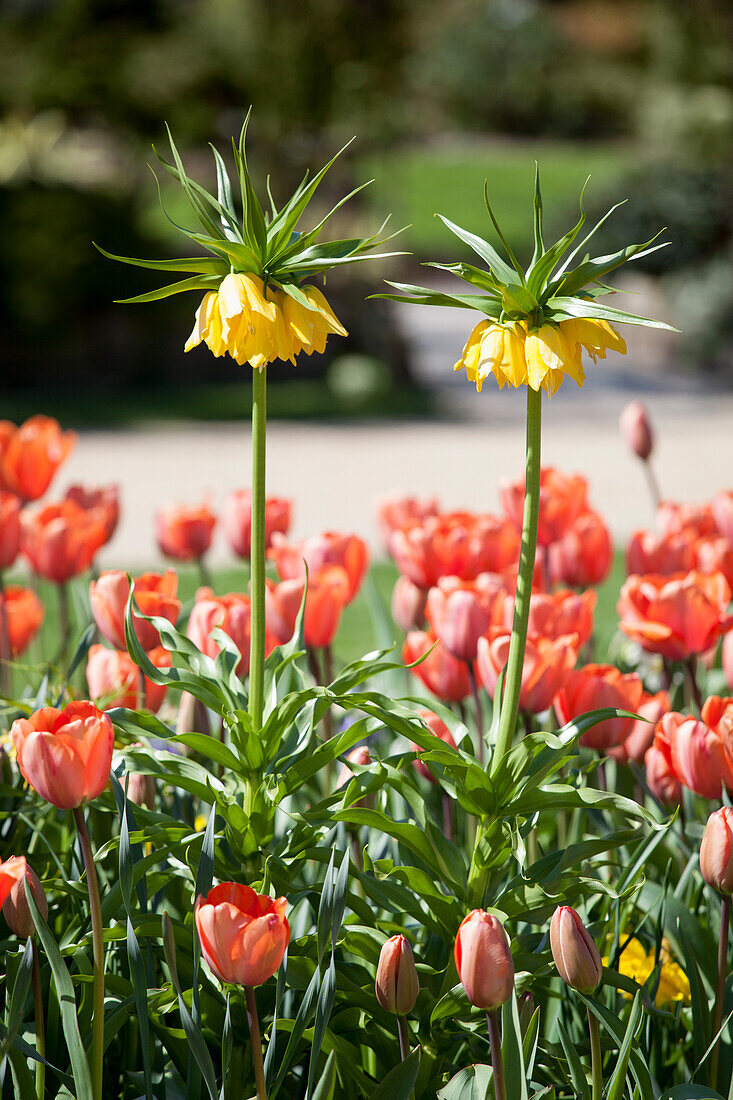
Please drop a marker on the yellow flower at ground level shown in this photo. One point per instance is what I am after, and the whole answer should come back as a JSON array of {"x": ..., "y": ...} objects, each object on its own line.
[
  {"x": 258, "y": 326},
  {"x": 536, "y": 357},
  {"x": 637, "y": 964}
]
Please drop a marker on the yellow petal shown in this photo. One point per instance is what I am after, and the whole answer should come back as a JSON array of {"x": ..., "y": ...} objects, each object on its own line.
[{"x": 315, "y": 297}]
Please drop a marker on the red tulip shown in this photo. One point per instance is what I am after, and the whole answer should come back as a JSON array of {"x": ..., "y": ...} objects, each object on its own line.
[
  {"x": 440, "y": 671},
  {"x": 236, "y": 518},
  {"x": 716, "y": 851},
  {"x": 458, "y": 544},
  {"x": 554, "y": 614},
  {"x": 243, "y": 935},
  {"x": 104, "y": 502},
  {"x": 114, "y": 678},
  {"x": 649, "y": 552},
  {"x": 397, "y": 511},
  {"x": 584, "y": 554},
  {"x": 359, "y": 756},
  {"x": 397, "y": 984},
  {"x": 636, "y": 429},
  {"x": 574, "y": 952},
  {"x": 31, "y": 454},
  {"x": 232, "y": 614},
  {"x": 696, "y": 518},
  {"x": 184, "y": 532},
  {"x": 722, "y": 509},
  {"x": 329, "y": 548},
  {"x": 328, "y": 594},
  {"x": 678, "y": 616},
  {"x": 13, "y": 873},
  {"x": 10, "y": 506},
  {"x": 640, "y": 737},
  {"x": 60, "y": 540},
  {"x": 408, "y": 604},
  {"x": 439, "y": 728},
  {"x": 717, "y": 713},
  {"x": 155, "y": 595},
  {"x": 695, "y": 753},
  {"x": 594, "y": 687},
  {"x": 715, "y": 555},
  {"x": 461, "y": 611},
  {"x": 24, "y": 617},
  {"x": 484, "y": 960},
  {"x": 662, "y": 781},
  {"x": 65, "y": 755},
  {"x": 562, "y": 499},
  {"x": 547, "y": 662}
]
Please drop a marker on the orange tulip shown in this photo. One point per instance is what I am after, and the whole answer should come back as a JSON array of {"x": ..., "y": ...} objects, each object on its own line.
[
  {"x": 584, "y": 554},
  {"x": 594, "y": 687},
  {"x": 461, "y": 611},
  {"x": 458, "y": 544},
  {"x": 243, "y": 935},
  {"x": 662, "y": 782},
  {"x": 439, "y": 728},
  {"x": 547, "y": 662},
  {"x": 695, "y": 753},
  {"x": 24, "y": 617},
  {"x": 114, "y": 678},
  {"x": 696, "y": 518},
  {"x": 678, "y": 616},
  {"x": 649, "y": 552},
  {"x": 562, "y": 499},
  {"x": 31, "y": 454},
  {"x": 640, "y": 737},
  {"x": 184, "y": 532},
  {"x": 397, "y": 984},
  {"x": 715, "y": 555},
  {"x": 574, "y": 952},
  {"x": 716, "y": 851},
  {"x": 484, "y": 960},
  {"x": 155, "y": 595},
  {"x": 13, "y": 873},
  {"x": 60, "y": 540},
  {"x": 553, "y": 614},
  {"x": 397, "y": 511},
  {"x": 408, "y": 604},
  {"x": 232, "y": 614},
  {"x": 329, "y": 548},
  {"x": 328, "y": 595},
  {"x": 103, "y": 501},
  {"x": 236, "y": 518},
  {"x": 636, "y": 429},
  {"x": 65, "y": 755},
  {"x": 440, "y": 671},
  {"x": 10, "y": 506}
]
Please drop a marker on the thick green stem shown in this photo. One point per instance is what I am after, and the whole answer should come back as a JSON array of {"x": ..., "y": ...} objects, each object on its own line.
[
  {"x": 254, "y": 1034},
  {"x": 492, "y": 1018},
  {"x": 596, "y": 1060},
  {"x": 40, "y": 1026},
  {"x": 257, "y": 579},
  {"x": 720, "y": 986},
  {"x": 95, "y": 906},
  {"x": 513, "y": 685}
]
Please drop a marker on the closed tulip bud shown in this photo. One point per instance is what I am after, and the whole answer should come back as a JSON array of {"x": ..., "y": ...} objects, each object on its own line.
[
  {"x": 576, "y": 956},
  {"x": 16, "y": 909},
  {"x": 716, "y": 851},
  {"x": 397, "y": 984},
  {"x": 141, "y": 790},
  {"x": 484, "y": 960},
  {"x": 408, "y": 604},
  {"x": 636, "y": 429}
]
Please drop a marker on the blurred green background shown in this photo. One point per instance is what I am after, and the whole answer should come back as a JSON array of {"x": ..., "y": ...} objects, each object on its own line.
[{"x": 441, "y": 94}]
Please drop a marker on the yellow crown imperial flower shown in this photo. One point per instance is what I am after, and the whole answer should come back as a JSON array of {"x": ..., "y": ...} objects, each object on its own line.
[
  {"x": 635, "y": 962},
  {"x": 536, "y": 322},
  {"x": 260, "y": 303}
]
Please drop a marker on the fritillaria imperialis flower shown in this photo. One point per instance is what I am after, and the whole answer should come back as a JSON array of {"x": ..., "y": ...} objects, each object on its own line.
[
  {"x": 326, "y": 598},
  {"x": 575, "y": 954},
  {"x": 484, "y": 960},
  {"x": 442, "y": 673},
  {"x": 21, "y": 615},
  {"x": 635, "y": 962},
  {"x": 649, "y": 552},
  {"x": 439, "y": 728},
  {"x": 329, "y": 548},
  {"x": 236, "y": 518},
  {"x": 243, "y": 935},
  {"x": 547, "y": 663},
  {"x": 155, "y": 595},
  {"x": 31, "y": 454},
  {"x": 396, "y": 511},
  {"x": 678, "y": 616},
  {"x": 13, "y": 873},
  {"x": 636, "y": 429},
  {"x": 584, "y": 554},
  {"x": 184, "y": 532},
  {"x": 231, "y": 613},
  {"x": 397, "y": 984},
  {"x": 65, "y": 755},
  {"x": 459, "y": 612},
  {"x": 593, "y": 687},
  {"x": 408, "y": 604},
  {"x": 103, "y": 500},
  {"x": 458, "y": 544},
  {"x": 114, "y": 678},
  {"x": 10, "y": 506},
  {"x": 563, "y": 497},
  {"x": 716, "y": 851},
  {"x": 60, "y": 540}
]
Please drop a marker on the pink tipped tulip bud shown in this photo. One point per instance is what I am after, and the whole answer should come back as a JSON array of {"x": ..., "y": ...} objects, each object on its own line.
[
  {"x": 636, "y": 429},
  {"x": 15, "y": 907},
  {"x": 397, "y": 984},
  {"x": 408, "y": 604},
  {"x": 484, "y": 960},
  {"x": 716, "y": 851},
  {"x": 576, "y": 955},
  {"x": 141, "y": 790}
]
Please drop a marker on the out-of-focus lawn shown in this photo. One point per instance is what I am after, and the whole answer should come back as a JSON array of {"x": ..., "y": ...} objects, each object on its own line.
[{"x": 415, "y": 183}]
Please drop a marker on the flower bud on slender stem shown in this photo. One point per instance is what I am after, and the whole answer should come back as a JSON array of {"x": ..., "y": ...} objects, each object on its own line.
[
  {"x": 254, "y": 1033},
  {"x": 595, "y": 1056},
  {"x": 492, "y": 1019}
]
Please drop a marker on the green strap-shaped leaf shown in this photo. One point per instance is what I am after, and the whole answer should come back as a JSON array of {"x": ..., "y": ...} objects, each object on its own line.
[
  {"x": 199, "y": 1049},
  {"x": 400, "y": 1081},
  {"x": 501, "y": 270},
  {"x": 203, "y": 265}
]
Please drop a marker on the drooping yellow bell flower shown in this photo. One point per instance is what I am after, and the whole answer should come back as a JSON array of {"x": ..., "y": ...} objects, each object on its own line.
[
  {"x": 550, "y": 356},
  {"x": 635, "y": 963}
]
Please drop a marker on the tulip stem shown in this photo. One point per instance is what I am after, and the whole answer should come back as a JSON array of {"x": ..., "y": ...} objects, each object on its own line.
[
  {"x": 492, "y": 1018},
  {"x": 141, "y": 690},
  {"x": 254, "y": 1034},
  {"x": 4, "y": 642},
  {"x": 691, "y": 667},
  {"x": 404, "y": 1035},
  {"x": 513, "y": 684},
  {"x": 653, "y": 483},
  {"x": 596, "y": 1059},
  {"x": 40, "y": 1025},
  {"x": 720, "y": 986},
  {"x": 478, "y": 714},
  {"x": 95, "y": 906},
  {"x": 257, "y": 559},
  {"x": 64, "y": 621}
]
